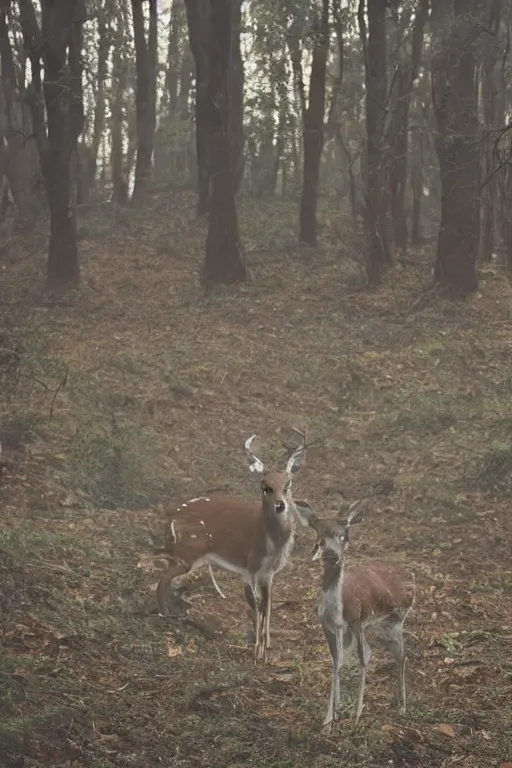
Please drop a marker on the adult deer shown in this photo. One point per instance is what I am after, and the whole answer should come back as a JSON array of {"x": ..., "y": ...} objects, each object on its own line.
[
  {"x": 251, "y": 538},
  {"x": 368, "y": 593}
]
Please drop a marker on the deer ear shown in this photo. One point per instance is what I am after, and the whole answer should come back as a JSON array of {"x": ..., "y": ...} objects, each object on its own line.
[
  {"x": 305, "y": 513},
  {"x": 354, "y": 514}
]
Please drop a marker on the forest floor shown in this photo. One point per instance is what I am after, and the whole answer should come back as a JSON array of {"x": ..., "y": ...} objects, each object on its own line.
[{"x": 152, "y": 389}]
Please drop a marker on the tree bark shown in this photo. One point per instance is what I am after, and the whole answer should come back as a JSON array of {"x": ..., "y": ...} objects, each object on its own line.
[
  {"x": 58, "y": 43},
  {"x": 314, "y": 130},
  {"x": 378, "y": 257},
  {"x": 223, "y": 262},
  {"x": 145, "y": 95},
  {"x": 454, "y": 85},
  {"x": 119, "y": 75},
  {"x": 236, "y": 85},
  {"x": 406, "y": 73},
  {"x": 185, "y": 160},
  {"x": 170, "y": 97},
  {"x": 19, "y": 155},
  {"x": 417, "y": 155},
  {"x": 198, "y": 26},
  {"x": 490, "y": 103},
  {"x": 104, "y": 44}
]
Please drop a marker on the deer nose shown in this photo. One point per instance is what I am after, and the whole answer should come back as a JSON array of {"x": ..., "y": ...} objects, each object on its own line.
[{"x": 280, "y": 506}]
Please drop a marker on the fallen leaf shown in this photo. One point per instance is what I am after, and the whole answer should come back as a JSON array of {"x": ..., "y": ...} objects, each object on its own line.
[
  {"x": 447, "y": 730},
  {"x": 387, "y": 728},
  {"x": 173, "y": 651}
]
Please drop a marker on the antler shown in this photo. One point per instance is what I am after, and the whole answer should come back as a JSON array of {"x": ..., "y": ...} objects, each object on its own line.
[
  {"x": 355, "y": 514},
  {"x": 297, "y": 457},
  {"x": 255, "y": 464}
]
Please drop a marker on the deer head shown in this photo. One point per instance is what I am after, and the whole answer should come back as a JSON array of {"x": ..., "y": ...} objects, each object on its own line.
[
  {"x": 276, "y": 484},
  {"x": 333, "y": 534}
]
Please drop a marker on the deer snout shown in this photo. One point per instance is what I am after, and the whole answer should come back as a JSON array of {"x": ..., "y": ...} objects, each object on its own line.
[{"x": 280, "y": 506}]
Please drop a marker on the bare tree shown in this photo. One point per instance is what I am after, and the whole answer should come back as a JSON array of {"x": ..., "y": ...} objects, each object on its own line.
[
  {"x": 455, "y": 99},
  {"x": 378, "y": 256},
  {"x": 493, "y": 118},
  {"x": 18, "y": 153},
  {"x": 105, "y": 40},
  {"x": 117, "y": 104},
  {"x": 236, "y": 95},
  {"x": 145, "y": 97},
  {"x": 406, "y": 72},
  {"x": 56, "y": 45},
  {"x": 210, "y": 29},
  {"x": 314, "y": 128}
]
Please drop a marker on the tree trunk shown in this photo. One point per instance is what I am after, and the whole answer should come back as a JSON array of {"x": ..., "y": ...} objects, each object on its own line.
[
  {"x": 65, "y": 115},
  {"x": 417, "y": 155},
  {"x": 314, "y": 130},
  {"x": 145, "y": 95},
  {"x": 279, "y": 149},
  {"x": 332, "y": 118},
  {"x": 117, "y": 118},
  {"x": 236, "y": 84},
  {"x": 454, "y": 94},
  {"x": 490, "y": 99},
  {"x": 406, "y": 74},
  {"x": 59, "y": 43},
  {"x": 170, "y": 96},
  {"x": 378, "y": 257},
  {"x": 104, "y": 44},
  {"x": 198, "y": 27},
  {"x": 223, "y": 262},
  {"x": 19, "y": 156},
  {"x": 183, "y": 162}
]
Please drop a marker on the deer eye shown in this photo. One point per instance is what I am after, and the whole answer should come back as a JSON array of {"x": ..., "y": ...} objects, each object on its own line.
[{"x": 267, "y": 489}]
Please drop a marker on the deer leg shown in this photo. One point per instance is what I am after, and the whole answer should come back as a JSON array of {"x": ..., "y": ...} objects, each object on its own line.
[
  {"x": 215, "y": 585},
  {"x": 268, "y": 611},
  {"x": 262, "y": 603},
  {"x": 251, "y": 600},
  {"x": 335, "y": 643},
  {"x": 165, "y": 582},
  {"x": 393, "y": 640},
  {"x": 364, "y": 653}
]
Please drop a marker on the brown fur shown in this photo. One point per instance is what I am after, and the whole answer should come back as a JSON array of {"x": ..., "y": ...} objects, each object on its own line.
[
  {"x": 374, "y": 589},
  {"x": 250, "y": 538}
]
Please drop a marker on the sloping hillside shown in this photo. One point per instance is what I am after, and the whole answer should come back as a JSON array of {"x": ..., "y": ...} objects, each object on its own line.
[{"x": 152, "y": 389}]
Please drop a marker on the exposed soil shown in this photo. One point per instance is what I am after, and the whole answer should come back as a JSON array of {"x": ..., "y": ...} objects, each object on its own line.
[{"x": 152, "y": 389}]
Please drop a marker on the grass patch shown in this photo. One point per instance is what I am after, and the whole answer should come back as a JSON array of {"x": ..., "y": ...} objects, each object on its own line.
[
  {"x": 492, "y": 472},
  {"x": 115, "y": 465},
  {"x": 19, "y": 428}
]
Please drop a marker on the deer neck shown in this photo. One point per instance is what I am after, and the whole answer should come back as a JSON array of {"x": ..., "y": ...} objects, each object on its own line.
[
  {"x": 330, "y": 605},
  {"x": 279, "y": 534},
  {"x": 332, "y": 580},
  {"x": 278, "y": 525}
]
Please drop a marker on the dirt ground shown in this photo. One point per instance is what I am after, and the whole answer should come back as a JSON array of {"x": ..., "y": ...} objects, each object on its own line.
[{"x": 152, "y": 389}]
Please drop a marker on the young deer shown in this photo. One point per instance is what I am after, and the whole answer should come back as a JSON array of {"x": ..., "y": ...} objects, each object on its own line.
[
  {"x": 251, "y": 538},
  {"x": 369, "y": 593}
]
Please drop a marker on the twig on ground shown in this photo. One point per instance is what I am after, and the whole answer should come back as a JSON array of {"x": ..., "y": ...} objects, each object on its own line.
[
  {"x": 62, "y": 384},
  {"x": 207, "y": 691}
]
